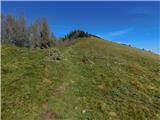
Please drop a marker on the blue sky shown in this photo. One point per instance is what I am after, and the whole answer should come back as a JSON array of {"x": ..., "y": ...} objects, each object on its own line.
[{"x": 135, "y": 23}]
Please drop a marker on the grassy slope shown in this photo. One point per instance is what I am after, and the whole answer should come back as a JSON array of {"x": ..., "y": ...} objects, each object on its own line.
[{"x": 122, "y": 83}]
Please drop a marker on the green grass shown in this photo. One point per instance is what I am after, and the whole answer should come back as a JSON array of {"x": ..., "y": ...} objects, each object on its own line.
[{"x": 120, "y": 83}]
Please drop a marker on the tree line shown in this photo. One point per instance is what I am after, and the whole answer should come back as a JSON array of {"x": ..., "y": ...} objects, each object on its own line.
[
  {"x": 15, "y": 31},
  {"x": 76, "y": 34}
]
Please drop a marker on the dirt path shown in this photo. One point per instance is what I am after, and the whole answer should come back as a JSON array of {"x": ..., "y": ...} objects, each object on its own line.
[{"x": 61, "y": 89}]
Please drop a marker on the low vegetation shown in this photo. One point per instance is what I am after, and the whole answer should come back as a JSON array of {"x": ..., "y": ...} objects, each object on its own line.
[{"x": 92, "y": 80}]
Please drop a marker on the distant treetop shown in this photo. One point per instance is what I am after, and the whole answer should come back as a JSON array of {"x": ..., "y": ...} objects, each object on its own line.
[{"x": 76, "y": 34}]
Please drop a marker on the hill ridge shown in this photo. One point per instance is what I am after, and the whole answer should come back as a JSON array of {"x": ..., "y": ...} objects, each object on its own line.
[{"x": 93, "y": 79}]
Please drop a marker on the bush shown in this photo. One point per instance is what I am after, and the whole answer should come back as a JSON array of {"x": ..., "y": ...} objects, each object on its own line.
[{"x": 55, "y": 55}]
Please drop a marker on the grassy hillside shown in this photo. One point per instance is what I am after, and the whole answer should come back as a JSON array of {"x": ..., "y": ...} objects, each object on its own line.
[{"x": 93, "y": 80}]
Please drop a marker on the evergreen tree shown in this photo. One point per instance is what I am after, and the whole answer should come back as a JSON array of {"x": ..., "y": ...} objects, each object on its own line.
[{"x": 76, "y": 34}]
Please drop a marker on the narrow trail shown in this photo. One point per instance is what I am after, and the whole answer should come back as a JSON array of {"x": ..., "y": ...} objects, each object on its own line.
[
  {"x": 60, "y": 91},
  {"x": 67, "y": 82}
]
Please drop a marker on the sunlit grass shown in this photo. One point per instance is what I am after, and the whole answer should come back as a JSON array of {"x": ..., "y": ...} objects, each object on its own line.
[{"x": 120, "y": 83}]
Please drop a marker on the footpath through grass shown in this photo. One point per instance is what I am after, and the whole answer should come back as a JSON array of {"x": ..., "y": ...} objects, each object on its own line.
[{"x": 94, "y": 80}]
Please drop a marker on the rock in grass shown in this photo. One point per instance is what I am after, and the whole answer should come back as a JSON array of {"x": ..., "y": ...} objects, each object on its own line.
[
  {"x": 112, "y": 114},
  {"x": 54, "y": 55},
  {"x": 83, "y": 111}
]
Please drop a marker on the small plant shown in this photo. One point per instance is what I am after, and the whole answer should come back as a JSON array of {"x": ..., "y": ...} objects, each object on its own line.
[
  {"x": 87, "y": 60},
  {"x": 54, "y": 55}
]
